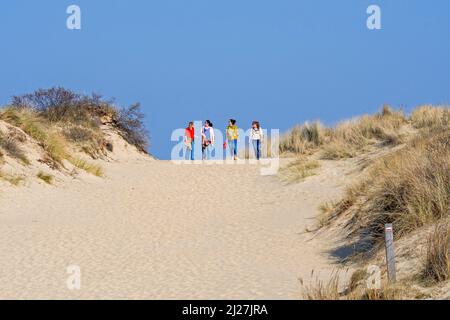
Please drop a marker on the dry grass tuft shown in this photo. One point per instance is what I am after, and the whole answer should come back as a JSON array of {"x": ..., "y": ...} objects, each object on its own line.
[
  {"x": 356, "y": 289},
  {"x": 11, "y": 146},
  {"x": 430, "y": 117},
  {"x": 45, "y": 177},
  {"x": 302, "y": 138},
  {"x": 319, "y": 289},
  {"x": 437, "y": 259},
  {"x": 299, "y": 170},
  {"x": 326, "y": 213},
  {"x": 90, "y": 141},
  {"x": 88, "y": 167},
  {"x": 32, "y": 124},
  {"x": 352, "y": 137},
  {"x": 386, "y": 292},
  {"x": 15, "y": 180}
]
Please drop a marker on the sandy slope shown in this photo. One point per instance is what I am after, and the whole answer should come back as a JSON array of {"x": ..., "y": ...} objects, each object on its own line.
[{"x": 152, "y": 229}]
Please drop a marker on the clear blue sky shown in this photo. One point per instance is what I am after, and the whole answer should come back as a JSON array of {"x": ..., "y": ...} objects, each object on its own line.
[{"x": 281, "y": 62}]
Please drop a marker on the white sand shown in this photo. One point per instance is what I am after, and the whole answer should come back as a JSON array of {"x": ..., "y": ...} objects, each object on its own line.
[{"x": 156, "y": 230}]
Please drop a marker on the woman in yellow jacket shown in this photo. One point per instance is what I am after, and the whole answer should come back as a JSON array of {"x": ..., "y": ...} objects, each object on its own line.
[{"x": 232, "y": 137}]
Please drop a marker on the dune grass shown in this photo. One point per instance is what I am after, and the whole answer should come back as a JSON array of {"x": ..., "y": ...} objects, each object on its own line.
[
  {"x": 348, "y": 138},
  {"x": 14, "y": 180},
  {"x": 409, "y": 188},
  {"x": 11, "y": 146},
  {"x": 53, "y": 140},
  {"x": 90, "y": 140},
  {"x": 303, "y": 138},
  {"x": 86, "y": 166},
  {"x": 299, "y": 170},
  {"x": 32, "y": 124},
  {"x": 430, "y": 117},
  {"x": 318, "y": 289},
  {"x": 333, "y": 288},
  {"x": 437, "y": 260},
  {"x": 47, "y": 178}
]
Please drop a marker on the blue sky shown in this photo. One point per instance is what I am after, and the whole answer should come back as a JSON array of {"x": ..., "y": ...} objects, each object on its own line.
[{"x": 280, "y": 62}]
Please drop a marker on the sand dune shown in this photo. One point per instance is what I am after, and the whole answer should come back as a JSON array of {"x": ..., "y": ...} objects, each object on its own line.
[{"x": 155, "y": 230}]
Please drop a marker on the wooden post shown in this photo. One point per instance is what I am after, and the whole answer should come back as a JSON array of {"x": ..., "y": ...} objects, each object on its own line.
[{"x": 390, "y": 253}]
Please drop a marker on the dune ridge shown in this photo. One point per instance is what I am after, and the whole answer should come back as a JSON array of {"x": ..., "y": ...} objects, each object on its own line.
[{"x": 150, "y": 229}]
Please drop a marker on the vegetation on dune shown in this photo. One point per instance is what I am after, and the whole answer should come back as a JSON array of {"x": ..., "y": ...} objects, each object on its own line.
[
  {"x": 299, "y": 170},
  {"x": 430, "y": 117},
  {"x": 66, "y": 108},
  {"x": 348, "y": 138},
  {"x": 15, "y": 180},
  {"x": 57, "y": 118},
  {"x": 88, "y": 167},
  {"x": 34, "y": 125},
  {"x": 356, "y": 289},
  {"x": 437, "y": 260},
  {"x": 45, "y": 177},
  {"x": 303, "y": 138},
  {"x": 409, "y": 188},
  {"x": 11, "y": 145},
  {"x": 61, "y": 106}
]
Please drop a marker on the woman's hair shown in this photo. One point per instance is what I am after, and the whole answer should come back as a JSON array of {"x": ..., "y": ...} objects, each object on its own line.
[
  {"x": 190, "y": 124},
  {"x": 209, "y": 123},
  {"x": 256, "y": 123},
  {"x": 233, "y": 122}
]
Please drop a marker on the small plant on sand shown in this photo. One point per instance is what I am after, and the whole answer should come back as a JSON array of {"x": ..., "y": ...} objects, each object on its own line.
[
  {"x": 88, "y": 167},
  {"x": 90, "y": 141},
  {"x": 319, "y": 289},
  {"x": 15, "y": 180},
  {"x": 437, "y": 259},
  {"x": 299, "y": 170},
  {"x": 334, "y": 289},
  {"x": 386, "y": 292},
  {"x": 45, "y": 177},
  {"x": 12, "y": 148},
  {"x": 326, "y": 213}
]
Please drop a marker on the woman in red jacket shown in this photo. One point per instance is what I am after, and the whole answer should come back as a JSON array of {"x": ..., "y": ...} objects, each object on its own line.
[{"x": 189, "y": 135}]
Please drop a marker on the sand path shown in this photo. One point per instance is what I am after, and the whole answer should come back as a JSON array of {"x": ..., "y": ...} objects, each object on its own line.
[{"x": 155, "y": 230}]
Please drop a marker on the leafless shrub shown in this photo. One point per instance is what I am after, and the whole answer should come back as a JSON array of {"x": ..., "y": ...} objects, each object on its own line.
[{"x": 130, "y": 122}]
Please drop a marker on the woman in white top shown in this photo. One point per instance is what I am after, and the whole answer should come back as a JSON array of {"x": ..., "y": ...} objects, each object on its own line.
[
  {"x": 208, "y": 139},
  {"x": 256, "y": 136}
]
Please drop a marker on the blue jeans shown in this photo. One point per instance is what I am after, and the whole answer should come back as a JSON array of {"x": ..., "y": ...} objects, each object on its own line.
[
  {"x": 233, "y": 148},
  {"x": 189, "y": 153},
  {"x": 207, "y": 152},
  {"x": 257, "y": 148}
]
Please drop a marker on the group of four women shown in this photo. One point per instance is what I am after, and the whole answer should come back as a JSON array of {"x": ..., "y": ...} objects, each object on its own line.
[{"x": 231, "y": 142}]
